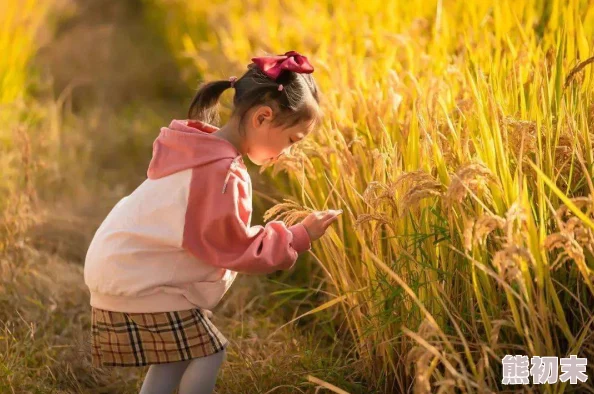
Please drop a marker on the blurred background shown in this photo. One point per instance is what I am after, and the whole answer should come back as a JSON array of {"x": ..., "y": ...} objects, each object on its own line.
[{"x": 457, "y": 139}]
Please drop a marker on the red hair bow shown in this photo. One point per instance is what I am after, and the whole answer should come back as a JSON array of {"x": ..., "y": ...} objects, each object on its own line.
[{"x": 272, "y": 66}]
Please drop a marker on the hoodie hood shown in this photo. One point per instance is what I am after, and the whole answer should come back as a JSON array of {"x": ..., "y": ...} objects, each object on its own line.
[{"x": 188, "y": 144}]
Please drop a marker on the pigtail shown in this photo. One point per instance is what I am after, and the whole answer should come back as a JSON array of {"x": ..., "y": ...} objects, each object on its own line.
[{"x": 203, "y": 106}]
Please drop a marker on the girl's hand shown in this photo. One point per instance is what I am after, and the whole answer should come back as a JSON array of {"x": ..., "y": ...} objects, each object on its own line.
[{"x": 317, "y": 222}]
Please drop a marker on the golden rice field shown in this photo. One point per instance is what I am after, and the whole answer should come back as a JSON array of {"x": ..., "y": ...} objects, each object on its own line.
[{"x": 457, "y": 139}]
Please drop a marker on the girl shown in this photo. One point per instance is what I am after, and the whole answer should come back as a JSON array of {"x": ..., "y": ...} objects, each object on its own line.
[{"x": 167, "y": 253}]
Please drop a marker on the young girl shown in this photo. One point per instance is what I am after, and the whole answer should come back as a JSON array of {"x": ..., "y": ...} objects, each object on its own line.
[{"x": 167, "y": 253}]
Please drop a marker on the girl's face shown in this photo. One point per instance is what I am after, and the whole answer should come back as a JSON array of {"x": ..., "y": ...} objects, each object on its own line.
[{"x": 266, "y": 142}]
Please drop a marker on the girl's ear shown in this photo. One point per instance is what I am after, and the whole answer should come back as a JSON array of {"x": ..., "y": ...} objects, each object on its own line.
[{"x": 262, "y": 114}]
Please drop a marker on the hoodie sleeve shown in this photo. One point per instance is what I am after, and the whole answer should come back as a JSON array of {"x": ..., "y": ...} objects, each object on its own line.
[{"x": 217, "y": 228}]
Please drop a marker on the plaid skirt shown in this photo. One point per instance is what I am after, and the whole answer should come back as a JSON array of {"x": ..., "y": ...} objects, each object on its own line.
[{"x": 139, "y": 339}]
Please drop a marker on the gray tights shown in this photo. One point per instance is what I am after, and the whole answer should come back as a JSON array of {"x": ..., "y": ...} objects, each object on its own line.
[{"x": 195, "y": 376}]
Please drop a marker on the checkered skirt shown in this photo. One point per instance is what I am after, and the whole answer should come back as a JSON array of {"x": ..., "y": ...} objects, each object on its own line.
[{"x": 139, "y": 339}]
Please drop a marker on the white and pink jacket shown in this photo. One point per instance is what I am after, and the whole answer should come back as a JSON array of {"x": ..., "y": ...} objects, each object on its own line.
[{"x": 179, "y": 240}]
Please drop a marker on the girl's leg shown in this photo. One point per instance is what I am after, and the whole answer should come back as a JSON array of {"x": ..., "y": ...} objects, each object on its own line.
[
  {"x": 201, "y": 375},
  {"x": 163, "y": 378}
]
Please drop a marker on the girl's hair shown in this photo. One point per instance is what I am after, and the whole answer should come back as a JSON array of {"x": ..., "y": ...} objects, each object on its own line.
[{"x": 292, "y": 104}]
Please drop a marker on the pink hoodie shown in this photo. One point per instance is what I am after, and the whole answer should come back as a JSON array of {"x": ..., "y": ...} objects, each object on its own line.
[{"x": 178, "y": 241}]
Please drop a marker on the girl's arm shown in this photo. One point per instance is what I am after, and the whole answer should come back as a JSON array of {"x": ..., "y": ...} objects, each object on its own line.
[{"x": 217, "y": 229}]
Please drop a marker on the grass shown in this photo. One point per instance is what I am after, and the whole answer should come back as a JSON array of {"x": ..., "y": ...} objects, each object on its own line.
[{"x": 458, "y": 141}]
